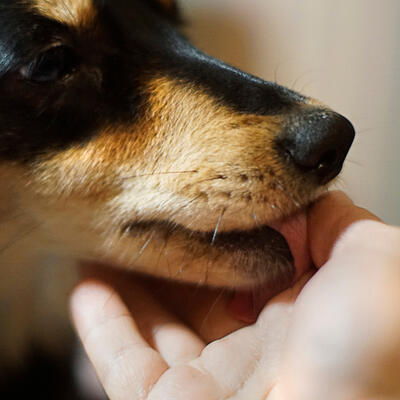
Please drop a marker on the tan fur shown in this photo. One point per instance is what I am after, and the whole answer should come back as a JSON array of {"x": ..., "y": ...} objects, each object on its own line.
[
  {"x": 188, "y": 161},
  {"x": 75, "y": 13}
]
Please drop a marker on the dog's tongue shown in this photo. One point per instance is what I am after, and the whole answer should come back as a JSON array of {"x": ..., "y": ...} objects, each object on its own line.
[{"x": 246, "y": 305}]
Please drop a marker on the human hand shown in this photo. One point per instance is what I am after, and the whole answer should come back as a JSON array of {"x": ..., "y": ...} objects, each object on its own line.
[
  {"x": 299, "y": 348},
  {"x": 344, "y": 340}
]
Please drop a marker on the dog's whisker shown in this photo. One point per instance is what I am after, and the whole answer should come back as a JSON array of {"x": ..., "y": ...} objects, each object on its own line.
[
  {"x": 11, "y": 217},
  {"x": 276, "y": 70},
  {"x": 307, "y": 85},
  {"x": 184, "y": 206},
  {"x": 18, "y": 237},
  {"x": 182, "y": 265},
  {"x": 300, "y": 77},
  {"x": 280, "y": 186},
  {"x": 256, "y": 219},
  {"x": 217, "y": 227},
  {"x": 212, "y": 307},
  {"x": 167, "y": 262},
  {"x": 214, "y": 178},
  {"x": 354, "y": 162},
  {"x": 205, "y": 280},
  {"x": 162, "y": 251},
  {"x": 144, "y": 247},
  {"x": 158, "y": 173},
  {"x": 366, "y": 130}
]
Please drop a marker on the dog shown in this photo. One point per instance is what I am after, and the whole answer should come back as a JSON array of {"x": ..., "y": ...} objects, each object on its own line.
[{"x": 123, "y": 143}]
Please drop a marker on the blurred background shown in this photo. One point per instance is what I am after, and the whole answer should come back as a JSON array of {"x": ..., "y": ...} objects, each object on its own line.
[{"x": 345, "y": 53}]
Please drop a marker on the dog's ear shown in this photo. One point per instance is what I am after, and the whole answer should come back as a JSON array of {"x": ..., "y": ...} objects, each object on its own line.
[{"x": 168, "y": 8}]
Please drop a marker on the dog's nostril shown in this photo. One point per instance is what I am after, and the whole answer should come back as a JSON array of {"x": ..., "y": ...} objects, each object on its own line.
[
  {"x": 328, "y": 158},
  {"x": 317, "y": 143}
]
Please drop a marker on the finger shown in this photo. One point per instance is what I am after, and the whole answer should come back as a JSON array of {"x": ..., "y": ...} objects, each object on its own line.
[
  {"x": 345, "y": 327},
  {"x": 126, "y": 365},
  {"x": 328, "y": 218},
  {"x": 175, "y": 342}
]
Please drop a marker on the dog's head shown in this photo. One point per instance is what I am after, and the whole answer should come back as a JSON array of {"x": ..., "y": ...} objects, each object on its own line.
[{"x": 130, "y": 145}]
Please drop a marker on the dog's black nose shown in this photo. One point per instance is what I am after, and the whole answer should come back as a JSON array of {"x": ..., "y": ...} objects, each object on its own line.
[{"x": 317, "y": 142}]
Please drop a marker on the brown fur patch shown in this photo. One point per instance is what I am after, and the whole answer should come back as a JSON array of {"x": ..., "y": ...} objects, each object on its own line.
[{"x": 76, "y": 13}]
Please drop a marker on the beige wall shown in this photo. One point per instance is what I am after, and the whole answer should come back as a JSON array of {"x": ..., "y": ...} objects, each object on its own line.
[{"x": 344, "y": 52}]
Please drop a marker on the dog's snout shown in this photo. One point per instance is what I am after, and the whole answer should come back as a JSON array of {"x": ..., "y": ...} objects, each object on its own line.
[{"x": 317, "y": 142}]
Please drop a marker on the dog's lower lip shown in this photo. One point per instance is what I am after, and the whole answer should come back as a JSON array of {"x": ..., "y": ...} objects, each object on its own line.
[
  {"x": 286, "y": 237},
  {"x": 233, "y": 240}
]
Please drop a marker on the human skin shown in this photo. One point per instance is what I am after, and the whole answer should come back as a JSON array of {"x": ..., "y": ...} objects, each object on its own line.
[{"x": 334, "y": 335}]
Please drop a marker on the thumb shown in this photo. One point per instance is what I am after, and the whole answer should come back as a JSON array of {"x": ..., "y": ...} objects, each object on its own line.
[{"x": 328, "y": 218}]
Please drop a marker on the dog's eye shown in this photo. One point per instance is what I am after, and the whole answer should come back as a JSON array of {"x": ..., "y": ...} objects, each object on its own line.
[{"x": 51, "y": 65}]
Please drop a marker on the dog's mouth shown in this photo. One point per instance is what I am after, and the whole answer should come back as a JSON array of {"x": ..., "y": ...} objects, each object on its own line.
[
  {"x": 247, "y": 304},
  {"x": 274, "y": 254},
  {"x": 265, "y": 260}
]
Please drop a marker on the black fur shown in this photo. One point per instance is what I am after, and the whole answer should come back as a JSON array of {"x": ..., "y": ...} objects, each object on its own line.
[{"x": 132, "y": 41}]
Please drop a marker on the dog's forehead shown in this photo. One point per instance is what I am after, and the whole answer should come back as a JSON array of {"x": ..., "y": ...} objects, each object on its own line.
[
  {"x": 83, "y": 13},
  {"x": 146, "y": 22},
  {"x": 70, "y": 12}
]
